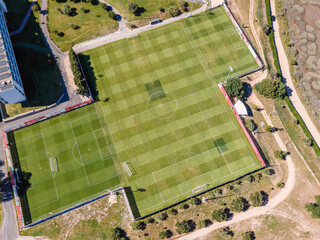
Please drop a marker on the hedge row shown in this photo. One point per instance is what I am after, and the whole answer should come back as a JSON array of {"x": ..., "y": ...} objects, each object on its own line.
[
  {"x": 277, "y": 65},
  {"x": 78, "y": 78}
]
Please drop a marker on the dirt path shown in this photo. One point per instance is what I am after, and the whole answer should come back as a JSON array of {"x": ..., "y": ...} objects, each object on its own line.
[{"x": 285, "y": 69}]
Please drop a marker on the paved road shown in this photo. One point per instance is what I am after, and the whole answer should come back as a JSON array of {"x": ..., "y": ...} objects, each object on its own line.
[
  {"x": 292, "y": 92},
  {"x": 126, "y": 33}
]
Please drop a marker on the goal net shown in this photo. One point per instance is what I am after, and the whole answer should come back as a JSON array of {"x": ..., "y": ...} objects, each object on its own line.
[
  {"x": 127, "y": 169},
  {"x": 199, "y": 189},
  {"x": 53, "y": 164}
]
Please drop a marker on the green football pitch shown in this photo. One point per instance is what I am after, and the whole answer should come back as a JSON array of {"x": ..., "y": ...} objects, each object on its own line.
[{"x": 161, "y": 128}]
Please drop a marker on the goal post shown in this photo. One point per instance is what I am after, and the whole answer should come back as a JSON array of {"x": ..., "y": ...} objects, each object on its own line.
[
  {"x": 127, "y": 169},
  {"x": 53, "y": 164},
  {"x": 199, "y": 189}
]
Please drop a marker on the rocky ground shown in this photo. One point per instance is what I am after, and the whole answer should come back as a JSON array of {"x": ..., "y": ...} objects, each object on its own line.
[{"x": 304, "y": 24}]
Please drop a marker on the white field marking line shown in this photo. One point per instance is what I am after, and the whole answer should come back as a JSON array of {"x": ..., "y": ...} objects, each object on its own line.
[
  {"x": 182, "y": 154},
  {"x": 225, "y": 160},
  {"x": 79, "y": 154},
  {"x": 204, "y": 89},
  {"x": 185, "y": 160},
  {"x": 191, "y": 189},
  {"x": 76, "y": 202},
  {"x": 154, "y": 179},
  {"x": 43, "y": 205},
  {"x": 108, "y": 59},
  {"x": 104, "y": 180},
  {"x": 83, "y": 117},
  {"x": 28, "y": 137},
  {"x": 229, "y": 56},
  {"x": 219, "y": 96},
  {"x": 73, "y": 154},
  {"x": 171, "y": 115},
  {"x": 29, "y": 171},
  {"x": 115, "y": 146},
  {"x": 95, "y": 136},
  {"x": 45, "y": 145},
  {"x": 201, "y": 34},
  {"x": 233, "y": 42},
  {"x": 53, "y": 174}
]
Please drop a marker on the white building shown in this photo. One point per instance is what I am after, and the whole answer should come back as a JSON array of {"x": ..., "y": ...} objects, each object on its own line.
[{"x": 11, "y": 88}]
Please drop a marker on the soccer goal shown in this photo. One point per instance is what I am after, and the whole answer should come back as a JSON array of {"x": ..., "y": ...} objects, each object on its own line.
[
  {"x": 127, "y": 169},
  {"x": 53, "y": 164},
  {"x": 199, "y": 189}
]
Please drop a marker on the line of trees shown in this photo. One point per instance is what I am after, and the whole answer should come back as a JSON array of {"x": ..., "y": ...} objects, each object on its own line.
[{"x": 78, "y": 78}]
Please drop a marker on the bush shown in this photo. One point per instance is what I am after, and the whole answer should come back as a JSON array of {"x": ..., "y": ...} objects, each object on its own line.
[
  {"x": 314, "y": 208},
  {"x": 293, "y": 62},
  {"x": 226, "y": 232},
  {"x": 238, "y": 204},
  {"x": 280, "y": 185},
  {"x": 36, "y": 7},
  {"x": 308, "y": 142},
  {"x": 250, "y": 125},
  {"x": 174, "y": 11},
  {"x": 248, "y": 235},
  {"x": 202, "y": 224},
  {"x": 271, "y": 88},
  {"x": 279, "y": 154},
  {"x": 184, "y": 206},
  {"x": 165, "y": 234},
  {"x": 184, "y": 5},
  {"x": 172, "y": 211},
  {"x": 78, "y": 78},
  {"x": 66, "y": 9},
  {"x": 162, "y": 216},
  {"x": 112, "y": 15},
  {"x": 256, "y": 199},
  {"x": 266, "y": 29},
  {"x": 235, "y": 88},
  {"x": 268, "y": 171},
  {"x": 117, "y": 234},
  {"x": 183, "y": 227},
  {"x": 151, "y": 220},
  {"x": 133, "y": 7},
  {"x": 138, "y": 225},
  {"x": 268, "y": 128},
  {"x": 219, "y": 215},
  {"x": 161, "y": 9},
  {"x": 104, "y": 6},
  {"x": 195, "y": 201}
]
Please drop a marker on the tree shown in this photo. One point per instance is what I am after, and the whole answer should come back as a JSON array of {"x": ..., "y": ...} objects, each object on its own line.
[
  {"x": 238, "y": 204},
  {"x": 183, "y": 227},
  {"x": 202, "y": 224},
  {"x": 151, "y": 220},
  {"x": 66, "y": 9},
  {"x": 36, "y": 7},
  {"x": 279, "y": 154},
  {"x": 162, "y": 216},
  {"x": 266, "y": 29},
  {"x": 268, "y": 128},
  {"x": 268, "y": 171},
  {"x": 172, "y": 211},
  {"x": 112, "y": 15},
  {"x": 78, "y": 78},
  {"x": 280, "y": 185},
  {"x": 248, "y": 235},
  {"x": 226, "y": 232},
  {"x": 174, "y": 11},
  {"x": 104, "y": 6},
  {"x": 235, "y": 88},
  {"x": 138, "y": 225},
  {"x": 219, "y": 215},
  {"x": 271, "y": 88},
  {"x": 314, "y": 208},
  {"x": 165, "y": 234},
  {"x": 250, "y": 125},
  {"x": 256, "y": 199},
  {"x": 195, "y": 201},
  {"x": 133, "y": 8},
  {"x": 117, "y": 234},
  {"x": 184, "y": 5}
]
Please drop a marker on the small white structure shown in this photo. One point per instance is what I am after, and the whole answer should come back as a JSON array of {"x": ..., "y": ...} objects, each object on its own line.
[{"x": 241, "y": 108}]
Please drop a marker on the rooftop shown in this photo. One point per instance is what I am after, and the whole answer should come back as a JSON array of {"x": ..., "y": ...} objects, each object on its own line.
[{"x": 5, "y": 73}]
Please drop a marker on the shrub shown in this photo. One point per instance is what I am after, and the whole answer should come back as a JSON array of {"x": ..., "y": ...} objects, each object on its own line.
[
  {"x": 271, "y": 88},
  {"x": 184, "y": 5},
  {"x": 66, "y": 9},
  {"x": 133, "y": 7},
  {"x": 279, "y": 154},
  {"x": 82, "y": 9},
  {"x": 138, "y": 225},
  {"x": 296, "y": 121},
  {"x": 256, "y": 199},
  {"x": 162, "y": 216},
  {"x": 184, "y": 206},
  {"x": 151, "y": 220},
  {"x": 36, "y": 7},
  {"x": 268, "y": 171},
  {"x": 172, "y": 211},
  {"x": 248, "y": 235},
  {"x": 165, "y": 234},
  {"x": 174, "y": 11},
  {"x": 202, "y": 224},
  {"x": 308, "y": 141},
  {"x": 250, "y": 125},
  {"x": 226, "y": 232},
  {"x": 183, "y": 227},
  {"x": 268, "y": 128},
  {"x": 195, "y": 201},
  {"x": 280, "y": 185},
  {"x": 117, "y": 234},
  {"x": 104, "y": 6},
  {"x": 219, "y": 215},
  {"x": 314, "y": 208},
  {"x": 238, "y": 204},
  {"x": 293, "y": 62},
  {"x": 235, "y": 88},
  {"x": 58, "y": 10},
  {"x": 112, "y": 15},
  {"x": 161, "y": 9},
  {"x": 78, "y": 79},
  {"x": 266, "y": 29}
]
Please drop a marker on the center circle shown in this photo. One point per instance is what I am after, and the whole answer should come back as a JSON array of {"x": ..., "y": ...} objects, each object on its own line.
[{"x": 162, "y": 105}]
